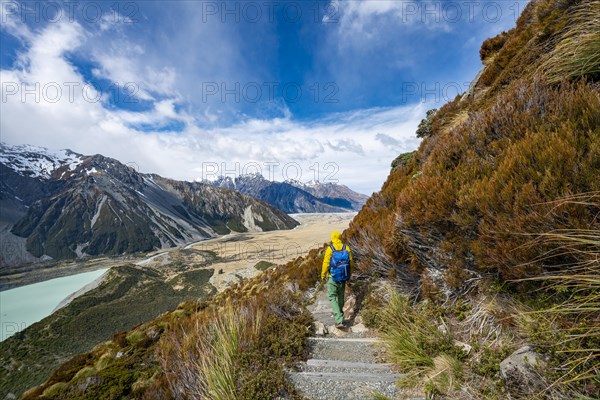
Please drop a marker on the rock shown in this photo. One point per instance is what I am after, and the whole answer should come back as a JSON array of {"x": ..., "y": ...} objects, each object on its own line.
[
  {"x": 336, "y": 331},
  {"x": 518, "y": 370},
  {"x": 360, "y": 328},
  {"x": 463, "y": 346},
  {"x": 349, "y": 306},
  {"x": 320, "y": 328},
  {"x": 358, "y": 319}
]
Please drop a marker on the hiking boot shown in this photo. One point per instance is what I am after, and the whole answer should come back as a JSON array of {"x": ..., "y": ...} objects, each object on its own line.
[{"x": 340, "y": 325}]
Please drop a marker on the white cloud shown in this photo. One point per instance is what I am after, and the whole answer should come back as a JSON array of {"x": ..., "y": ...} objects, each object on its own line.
[
  {"x": 368, "y": 20},
  {"x": 122, "y": 63},
  {"x": 343, "y": 141}
]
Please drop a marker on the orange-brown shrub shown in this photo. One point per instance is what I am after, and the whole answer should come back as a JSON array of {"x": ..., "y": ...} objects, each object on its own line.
[
  {"x": 492, "y": 45},
  {"x": 488, "y": 181}
]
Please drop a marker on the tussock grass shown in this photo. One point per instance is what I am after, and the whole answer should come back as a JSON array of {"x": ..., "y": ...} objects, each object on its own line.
[
  {"x": 577, "y": 53},
  {"x": 236, "y": 349},
  {"x": 445, "y": 375},
  {"x": 418, "y": 347},
  {"x": 569, "y": 330},
  {"x": 493, "y": 318},
  {"x": 200, "y": 363}
]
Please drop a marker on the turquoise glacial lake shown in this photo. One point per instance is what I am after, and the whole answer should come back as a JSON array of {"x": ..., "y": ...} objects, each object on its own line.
[{"x": 26, "y": 305}]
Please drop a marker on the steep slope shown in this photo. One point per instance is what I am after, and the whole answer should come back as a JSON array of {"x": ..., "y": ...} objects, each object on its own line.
[
  {"x": 76, "y": 205},
  {"x": 295, "y": 197},
  {"x": 515, "y": 158},
  {"x": 495, "y": 161},
  {"x": 25, "y": 173}
]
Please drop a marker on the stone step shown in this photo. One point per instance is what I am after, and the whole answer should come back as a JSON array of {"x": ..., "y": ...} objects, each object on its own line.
[
  {"x": 345, "y": 349},
  {"x": 320, "y": 386},
  {"x": 350, "y": 376},
  {"x": 345, "y": 364},
  {"x": 348, "y": 367},
  {"x": 313, "y": 362},
  {"x": 369, "y": 340},
  {"x": 325, "y": 317}
]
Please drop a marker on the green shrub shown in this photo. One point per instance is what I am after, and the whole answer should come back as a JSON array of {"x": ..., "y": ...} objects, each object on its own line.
[
  {"x": 57, "y": 389},
  {"x": 424, "y": 129},
  {"x": 263, "y": 265},
  {"x": 135, "y": 337}
]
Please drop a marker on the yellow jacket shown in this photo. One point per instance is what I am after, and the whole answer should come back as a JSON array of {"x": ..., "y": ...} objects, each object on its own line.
[{"x": 337, "y": 244}]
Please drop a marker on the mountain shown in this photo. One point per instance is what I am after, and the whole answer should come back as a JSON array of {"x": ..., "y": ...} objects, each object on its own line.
[
  {"x": 293, "y": 196},
  {"x": 332, "y": 192},
  {"x": 69, "y": 205}
]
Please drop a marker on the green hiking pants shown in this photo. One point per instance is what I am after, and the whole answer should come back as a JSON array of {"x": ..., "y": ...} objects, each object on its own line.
[{"x": 335, "y": 294}]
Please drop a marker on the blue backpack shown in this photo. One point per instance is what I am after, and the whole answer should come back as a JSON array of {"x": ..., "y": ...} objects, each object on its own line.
[{"x": 339, "y": 265}]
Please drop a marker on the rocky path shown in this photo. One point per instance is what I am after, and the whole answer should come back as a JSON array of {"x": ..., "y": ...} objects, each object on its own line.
[{"x": 343, "y": 364}]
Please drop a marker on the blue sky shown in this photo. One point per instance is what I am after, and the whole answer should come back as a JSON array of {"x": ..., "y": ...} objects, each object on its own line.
[{"x": 333, "y": 88}]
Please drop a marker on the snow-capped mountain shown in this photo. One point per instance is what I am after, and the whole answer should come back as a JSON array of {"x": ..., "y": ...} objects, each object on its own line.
[
  {"x": 60, "y": 204},
  {"x": 294, "y": 196},
  {"x": 330, "y": 190},
  {"x": 37, "y": 162}
]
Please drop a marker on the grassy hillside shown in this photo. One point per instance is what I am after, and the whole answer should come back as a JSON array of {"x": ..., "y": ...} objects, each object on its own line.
[
  {"x": 488, "y": 234},
  {"x": 129, "y": 296},
  {"x": 241, "y": 338}
]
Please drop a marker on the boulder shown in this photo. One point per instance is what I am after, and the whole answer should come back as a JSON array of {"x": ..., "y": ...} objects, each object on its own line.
[
  {"x": 463, "y": 346},
  {"x": 336, "y": 331},
  {"x": 349, "y": 306},
  {"x": 519, "y": 371},
  {"x": 320, "y": 328},
  {"x": 360, "y": 328}
]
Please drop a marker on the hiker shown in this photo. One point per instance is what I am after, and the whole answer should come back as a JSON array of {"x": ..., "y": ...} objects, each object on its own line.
[{"x": 337, "y": 268}]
